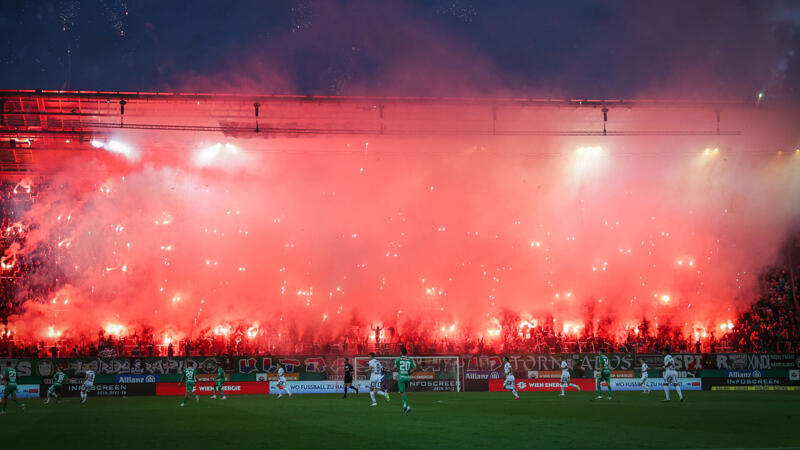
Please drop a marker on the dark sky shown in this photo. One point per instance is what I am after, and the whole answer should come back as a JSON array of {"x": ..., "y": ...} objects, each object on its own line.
[{"x": 587, "y": 48}]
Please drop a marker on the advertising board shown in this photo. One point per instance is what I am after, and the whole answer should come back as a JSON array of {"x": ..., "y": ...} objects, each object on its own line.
[
  {"x": 533, "y": 384},
  {"x": 26, "y": 390},
  {"x": 109, "y": 389},
  {"x": 205, "y": 388},
  {"x": 317, "y": 387}
]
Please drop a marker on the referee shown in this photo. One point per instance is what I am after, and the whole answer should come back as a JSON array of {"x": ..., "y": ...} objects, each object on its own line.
[{"x": 348, "y": 377}]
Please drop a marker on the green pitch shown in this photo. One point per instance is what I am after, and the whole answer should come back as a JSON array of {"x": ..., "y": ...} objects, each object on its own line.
[{"x": 438, "y": 420}]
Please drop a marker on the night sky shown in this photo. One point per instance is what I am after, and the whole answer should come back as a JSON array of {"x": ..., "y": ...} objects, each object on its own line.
[{"x": 593, "y": 49}]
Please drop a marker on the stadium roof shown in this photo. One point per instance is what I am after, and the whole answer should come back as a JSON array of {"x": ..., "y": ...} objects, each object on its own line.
[{"x": 36, "y": 119}]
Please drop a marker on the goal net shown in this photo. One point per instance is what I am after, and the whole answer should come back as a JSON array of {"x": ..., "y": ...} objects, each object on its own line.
[{"x": 433, "y": 373}]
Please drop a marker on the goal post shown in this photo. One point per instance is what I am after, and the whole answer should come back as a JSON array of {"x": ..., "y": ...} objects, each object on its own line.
[{"x": 433, "y": 373}]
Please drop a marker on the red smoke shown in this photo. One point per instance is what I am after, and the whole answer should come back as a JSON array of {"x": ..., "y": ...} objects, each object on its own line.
[{"x": 202, "y": 232}]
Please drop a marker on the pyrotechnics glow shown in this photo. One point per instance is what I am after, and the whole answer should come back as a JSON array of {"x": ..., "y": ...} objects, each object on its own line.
[{"x": 432, "y": 220}]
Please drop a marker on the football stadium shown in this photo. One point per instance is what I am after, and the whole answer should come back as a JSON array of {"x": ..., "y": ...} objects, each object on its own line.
[{"x": 213, "y": 266}]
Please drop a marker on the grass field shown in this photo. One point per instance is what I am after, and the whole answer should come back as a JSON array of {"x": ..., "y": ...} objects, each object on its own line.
[{"x": 439, "y": 420}]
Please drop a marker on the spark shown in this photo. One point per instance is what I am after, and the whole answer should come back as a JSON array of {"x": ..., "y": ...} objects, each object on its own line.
[
  {"x": 115, "y": 329},
  {"x": 164, "y": 219},
  {"x": 53, "y": 333},
  {"x": 6, "y": 262},
  {"x": 222, "y": 330},
  {"x": 252, "y": 331}
]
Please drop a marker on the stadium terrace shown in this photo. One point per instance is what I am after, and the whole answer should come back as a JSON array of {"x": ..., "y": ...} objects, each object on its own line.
[{"x": 157, "y": 224}]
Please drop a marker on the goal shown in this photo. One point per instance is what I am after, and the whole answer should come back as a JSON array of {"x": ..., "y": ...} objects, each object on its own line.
[{"x": 433, "y": 373}]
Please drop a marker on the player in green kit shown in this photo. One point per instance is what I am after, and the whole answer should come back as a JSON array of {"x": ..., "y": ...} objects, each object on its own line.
[
  {"x": 10, "y": 379},
  {"x": 603, "y": 374},
  {"x": 220, "y": 382},
  {"x": 190, "y": 375},
  {"x": 404, "y": 366},
  {"x": 55, "y": 389}
]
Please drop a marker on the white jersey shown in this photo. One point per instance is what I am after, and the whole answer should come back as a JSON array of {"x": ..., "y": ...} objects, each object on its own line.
[
  {"x": 376, "y": 374},
  {"x": 88, "y": 383},
  {"x": 281, "y": 385},
  {"x": 509, "y": 383},
  {"x": 375, "y": 367},
  {"x": 644, "y": 371},
  {"x": 670, "y": 375},
  {"x": 564, "y": 372}
]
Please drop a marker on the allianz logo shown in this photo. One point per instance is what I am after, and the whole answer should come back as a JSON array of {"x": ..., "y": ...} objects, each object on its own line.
[
  {"x": 137, "y": 379},
  {"x": 745, "y": 374}
]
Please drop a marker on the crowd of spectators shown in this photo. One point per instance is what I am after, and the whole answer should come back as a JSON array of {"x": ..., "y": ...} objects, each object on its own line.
[
  {"x": 15, "y": 199},
  {"x": 769, "y": 325}
]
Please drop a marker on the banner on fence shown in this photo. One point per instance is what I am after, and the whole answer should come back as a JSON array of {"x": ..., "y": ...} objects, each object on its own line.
[
  {"x": 621, "y": 384},
  {"x": 46, "y": 367},
  {"x": 748, "y": 361},
  {"x": 431, "y": 386},
  {"x": 476, "y": 380},
  {"x": 274, "y": 376},
  {"x": 483, "y": 375},
  {"x": 751, "y": 381},
  {"x": 416, "y": 375},
  {"x": 531, "y": 384},
  {"x": 622, "y": 374},
  {"x": 539, "y": 374},
  {"x": 136, "y": 379},
  {"x": 755, "y": 388},
  {"x": 581, "y": 365},
  {"x": 25, "y": 390},
  {"x": 317, "y": 387},
  {"x": 206, "y": 388},
  {"x": 110, "y": 389}
]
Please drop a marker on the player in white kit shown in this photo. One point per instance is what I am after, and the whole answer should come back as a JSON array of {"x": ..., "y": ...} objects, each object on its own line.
[
  {"x": 88, "y": 385},
  {"x": 643, "y": 382},
  {"x": 282, "y": 382},
  {"x": 510, "y": 380},
  {"x": 670, "y": 376},
  {"x": 375, "y": 379},
  {"x": 565, "y": 379}
]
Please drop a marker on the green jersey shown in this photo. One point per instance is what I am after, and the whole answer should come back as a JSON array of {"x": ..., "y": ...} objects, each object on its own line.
[
  {"x": 190, "y": 375},
  {"x": 404, "y": 365},
  {"x": 602, "y": 360},
  {"x": 220, "y": 375},
  {"x": 58, "y": 378},
  {"x": 10, "y": 376}
]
